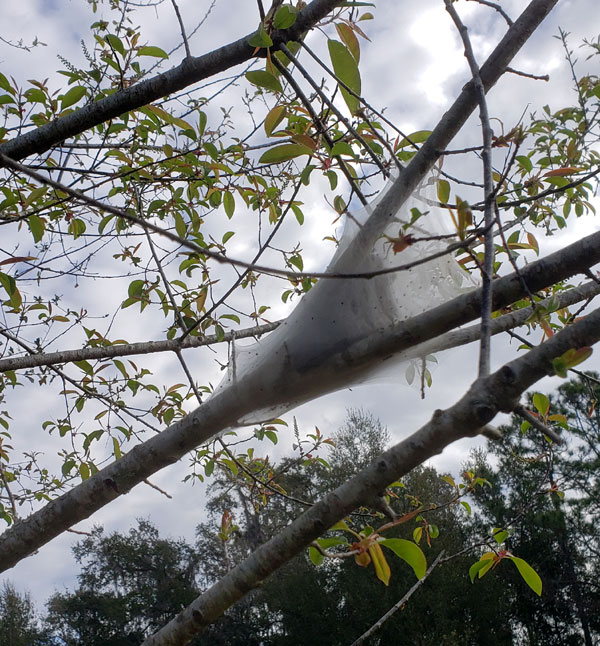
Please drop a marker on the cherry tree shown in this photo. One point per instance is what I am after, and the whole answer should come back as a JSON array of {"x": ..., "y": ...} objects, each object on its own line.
[{"x": 171, "y": 227}]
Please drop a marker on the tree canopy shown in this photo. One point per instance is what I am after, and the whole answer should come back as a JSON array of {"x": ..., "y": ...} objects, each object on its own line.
[{"x": 145, "y": 218}]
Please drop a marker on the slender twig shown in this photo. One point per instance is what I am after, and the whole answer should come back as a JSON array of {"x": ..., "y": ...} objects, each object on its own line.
[
  {"x": 153, "y": 486},
  {"x": 9, "y": 493},
  {"x": 498, "y": 8},
  {"x": 188, "y": 54},
  {"x": 399, "y": 605},
  {"x": 486, "y": 157},
  {"x": 535, "y": 422},
  {"x": 254, "y": 260},
  {"x": 116, "y": 408},
  {"x": 350, "y": 91},
  {"x": 535, "y": 77},
  {"x": 539, "y": 196},
  {"x": 321, "y": 127}
]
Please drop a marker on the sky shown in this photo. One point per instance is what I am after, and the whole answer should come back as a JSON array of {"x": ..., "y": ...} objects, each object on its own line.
[{"x": 414, "y": 67}]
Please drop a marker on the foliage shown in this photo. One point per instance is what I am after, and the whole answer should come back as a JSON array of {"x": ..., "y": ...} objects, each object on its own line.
[
  {"x": 128, "y": 587},
  {"x": 19, "y": 625}
]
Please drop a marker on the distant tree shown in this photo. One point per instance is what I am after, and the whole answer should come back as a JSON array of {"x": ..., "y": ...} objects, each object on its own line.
[
  {"x": 19, "y": 624},
  {"x": 130, "y": 585}
]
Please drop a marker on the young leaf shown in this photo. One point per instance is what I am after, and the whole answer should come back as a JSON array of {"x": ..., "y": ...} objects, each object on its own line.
[
  {"x": 150, "y": 50},
  {"x": 262, "y": 78},
  {"x": 348, "y": 37},
  {"x": 443, "y": 191},
  {"x": 315, "y": 556},
  {"x": 260, "y": 38},
  {"x": 37, "y": 226},
  {"x": 72, "y": 96},
  {"x": 382, "y": 568},
  {"x": 228, "y": 203},
  {"x": 530, "y": 576},
  {"x": 542, "y": 404},
  {"x": 476, "y": 568},
  {"x": 285, "y": 17},
  {"x": 346, "y": 69},
  {"x": 283, "y": 153},
  {"x": 409, "y": 552},
  {"x": 274, "y": 117}
]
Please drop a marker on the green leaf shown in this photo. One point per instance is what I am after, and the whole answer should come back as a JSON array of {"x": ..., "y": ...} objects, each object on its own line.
[
  {"x": 530, "y": 576},
  {"x": 283, "y": 153},
  {"x": 285, "y": 17},
  {"x": 37, "y": 226},
  {"x": 86, "y": 366},
  {"x": 274, "y": 117},
  {"x": 542, "y": 403},
  {"x": 260, "y": 38},
  {"x": 569, "y": 359},
  {"x": 34, "y": 95},
  {"x": 228, "y": 204},
  {"x": 116, "y": 43},
  {"x": 382, "y": 568},
  {"x": 500, "y": 536},
  {"x": 116, "y": 448},
  {"x": 331, "y": 541},
  {"x": 150, "y": 50},
  {"x": 346, "y": 69},
  {"x": 77, "y": 227},
  {"x": 340, "y": 525},
  {"x": 417, "y": 137},
  {"x": 525, "y": 163},
  {"x": 342, "y": 148},
  {"x": 5, "y": 85},
  {"x": 338, "y": 204},
  {"x": 72, "y": 96},
  {"x": 443, "y": 191},
  {"x": 135, "y": 288},
  {"x": 409, "y": 552},
  {"x": 262, "y": 78},
  {"x": 10, "y": 285},
  {"x": 315, "y": 556},
  {"x": 298, "y": 213},
  {"x": 477, "y": 567}
]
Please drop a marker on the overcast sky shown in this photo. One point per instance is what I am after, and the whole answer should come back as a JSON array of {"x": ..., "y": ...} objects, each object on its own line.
[{"x": 413, "y": 67}]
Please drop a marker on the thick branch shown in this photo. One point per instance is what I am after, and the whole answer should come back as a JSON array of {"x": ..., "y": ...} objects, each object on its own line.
[{"x": 487, "y": 396}]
